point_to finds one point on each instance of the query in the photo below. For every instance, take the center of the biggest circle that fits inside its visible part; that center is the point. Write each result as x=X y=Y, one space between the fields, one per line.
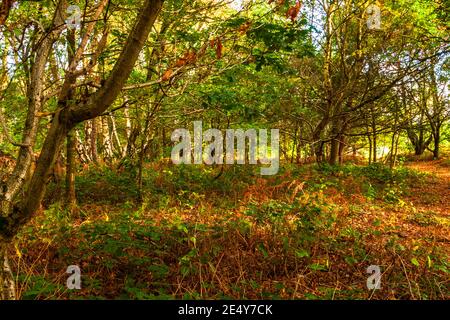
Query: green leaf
x=263 y=250
x=317 y=267
x=350 y=260
x=302 y=253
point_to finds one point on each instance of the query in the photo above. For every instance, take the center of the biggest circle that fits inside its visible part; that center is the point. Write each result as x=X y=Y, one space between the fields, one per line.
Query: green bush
x=103 y=185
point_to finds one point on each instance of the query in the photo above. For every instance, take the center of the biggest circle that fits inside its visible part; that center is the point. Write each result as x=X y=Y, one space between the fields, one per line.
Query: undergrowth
x=308 y=233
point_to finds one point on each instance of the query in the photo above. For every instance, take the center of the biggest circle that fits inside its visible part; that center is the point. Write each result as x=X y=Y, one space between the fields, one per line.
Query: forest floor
x=307 y=233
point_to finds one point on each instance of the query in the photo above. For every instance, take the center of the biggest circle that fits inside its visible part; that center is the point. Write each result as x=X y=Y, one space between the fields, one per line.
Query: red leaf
x=244 y=27
x=294 y=11
x=167 y=75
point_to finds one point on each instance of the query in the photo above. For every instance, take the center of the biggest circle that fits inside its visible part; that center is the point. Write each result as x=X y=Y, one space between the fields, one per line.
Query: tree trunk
x=374 y=146
x=126 y=151
x=93 y=140
x=393 y=155
x=334 y=152
x=142 y=153
x=82 y=151
x=396 y=149
x=108 y=146
x=115 y=135
x=342 y=145
x=70 y=172
x=374 y=134
x=437 y=138
x=8 y=288
x=317 y=139
x=70 y=199
x=334 y=146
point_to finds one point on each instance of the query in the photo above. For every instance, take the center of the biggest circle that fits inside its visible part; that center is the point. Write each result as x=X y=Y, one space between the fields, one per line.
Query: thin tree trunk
x=70 y=172
x=374 y=146
x=437 y=138
x=115 y=135
x=342 y=145
x=8 y=288
x=93 y=140
x=374 y=135
x=70 y=199
x=294 y=143
x=142 y=153
x=392 y=154
x=81 y=148
x=106 y=139
x=126 y=150
x=396 y=149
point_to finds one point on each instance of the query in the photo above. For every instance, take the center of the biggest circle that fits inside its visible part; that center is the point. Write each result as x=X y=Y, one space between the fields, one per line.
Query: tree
x=15 y=214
